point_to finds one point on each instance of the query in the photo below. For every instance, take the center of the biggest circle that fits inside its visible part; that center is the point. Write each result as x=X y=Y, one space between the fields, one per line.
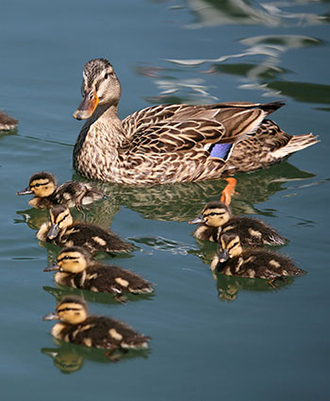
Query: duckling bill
x=63 y=231
x=48 y=194
x=77 y=269
x=217 y=219
x=233 y=260
x=78 y=327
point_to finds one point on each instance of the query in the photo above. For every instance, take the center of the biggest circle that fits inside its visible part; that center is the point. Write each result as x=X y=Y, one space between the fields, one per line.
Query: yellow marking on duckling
x=87 y=341
x=91 y=276
x=93 y=288
x=56 y=330
x=274 y=263
x=114 y=334
x=99 y=240
x=249 y=260
x=251 y=273
x=227 y=229
x=66 y=196
x=122 y=282
x=255 y=233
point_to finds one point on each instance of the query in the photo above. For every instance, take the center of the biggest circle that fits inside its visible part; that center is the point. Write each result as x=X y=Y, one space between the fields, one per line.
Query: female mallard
x=251 y=263
x=77 y=327
x=48 y=194
x=63 y=231
x=76 y=268
x=7 y=123
x=216 y=219
x=172 y=143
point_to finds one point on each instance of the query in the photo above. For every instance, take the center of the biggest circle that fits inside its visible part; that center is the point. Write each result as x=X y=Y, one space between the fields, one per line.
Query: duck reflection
x=180 y=202
x=69 y=358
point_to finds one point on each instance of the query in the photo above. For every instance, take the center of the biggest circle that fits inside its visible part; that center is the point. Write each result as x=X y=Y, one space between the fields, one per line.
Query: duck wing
x=163 y=128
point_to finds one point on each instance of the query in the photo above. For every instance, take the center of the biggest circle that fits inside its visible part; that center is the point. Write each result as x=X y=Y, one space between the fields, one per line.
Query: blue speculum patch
x=220 y=150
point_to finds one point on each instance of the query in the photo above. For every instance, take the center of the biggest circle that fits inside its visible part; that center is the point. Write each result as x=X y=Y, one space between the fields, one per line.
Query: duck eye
x=106 y=76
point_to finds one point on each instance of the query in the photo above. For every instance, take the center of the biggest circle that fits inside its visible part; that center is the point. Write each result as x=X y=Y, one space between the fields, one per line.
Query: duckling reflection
x=63 y=231
x=70 y=358
x=48 y=194
x=77 y=269
x=228 y=287
x=78 y=327
x=182 y=202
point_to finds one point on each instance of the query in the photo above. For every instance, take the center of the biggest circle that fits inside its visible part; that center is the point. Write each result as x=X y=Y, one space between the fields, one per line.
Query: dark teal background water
x=210 y=340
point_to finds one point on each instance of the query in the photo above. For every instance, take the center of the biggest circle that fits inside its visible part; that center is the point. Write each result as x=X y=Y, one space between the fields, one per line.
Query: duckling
x=63 y=231
x=77 y=327
x=216 y=218
x=7 y=123
x=251 y=263
x=77 y=269
x=71 y=193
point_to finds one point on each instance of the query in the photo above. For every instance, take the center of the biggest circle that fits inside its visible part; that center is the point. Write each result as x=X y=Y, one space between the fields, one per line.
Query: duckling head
x=214 y=214
x=100 y=87
x=41 y=184
x=71 y=260
x=231 y=247
x=70 y=310
x=60 y=218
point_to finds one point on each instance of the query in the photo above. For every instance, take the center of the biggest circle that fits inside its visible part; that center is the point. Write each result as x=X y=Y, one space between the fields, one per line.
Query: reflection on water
x=179 y=202
x=268 y=50
x=244 y=12
x=90 y=296
x=69 y=358
x=229 y=287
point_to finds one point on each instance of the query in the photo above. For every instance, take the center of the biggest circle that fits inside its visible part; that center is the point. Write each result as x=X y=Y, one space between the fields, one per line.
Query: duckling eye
x=106 y=76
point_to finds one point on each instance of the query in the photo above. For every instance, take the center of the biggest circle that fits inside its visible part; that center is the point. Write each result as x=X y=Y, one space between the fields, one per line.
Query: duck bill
x=53 y=231
x=52 y=268
x=197 y=220
x=87 y=106
x=51 y=316
x=25 y=191
x=223 y=256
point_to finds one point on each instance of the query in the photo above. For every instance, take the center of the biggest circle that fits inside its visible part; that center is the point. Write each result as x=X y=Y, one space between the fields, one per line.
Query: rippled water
x=211 y=339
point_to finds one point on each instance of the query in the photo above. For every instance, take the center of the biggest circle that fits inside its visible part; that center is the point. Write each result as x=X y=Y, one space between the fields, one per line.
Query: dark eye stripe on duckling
x=214 y=213
x=59 y=219
x=69 y=256
x=39 y=183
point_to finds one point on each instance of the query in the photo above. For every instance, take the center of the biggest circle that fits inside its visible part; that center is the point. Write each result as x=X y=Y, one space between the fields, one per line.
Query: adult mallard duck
x=76 y=268
x=48 y=194
x=77 y=327
x=63 y=231
x=172 y=143
x=216 y=219
x=233 y=260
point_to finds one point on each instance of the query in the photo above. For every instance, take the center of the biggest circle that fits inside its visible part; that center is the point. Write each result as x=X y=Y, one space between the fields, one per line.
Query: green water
x=211 y=339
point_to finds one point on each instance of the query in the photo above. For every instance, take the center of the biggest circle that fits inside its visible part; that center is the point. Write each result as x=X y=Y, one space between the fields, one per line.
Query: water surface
x=211 y=339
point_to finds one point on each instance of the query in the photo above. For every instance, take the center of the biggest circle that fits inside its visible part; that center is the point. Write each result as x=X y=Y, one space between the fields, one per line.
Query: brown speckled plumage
x=172 y=143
